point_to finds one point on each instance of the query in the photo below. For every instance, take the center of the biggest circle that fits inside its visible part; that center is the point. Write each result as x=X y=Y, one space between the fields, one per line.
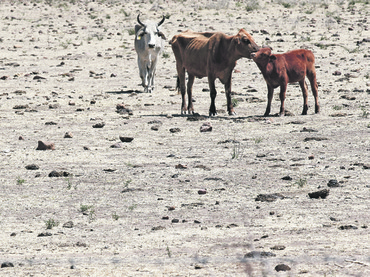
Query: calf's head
x=263 y=56
x=244 y=44
x=149 y=33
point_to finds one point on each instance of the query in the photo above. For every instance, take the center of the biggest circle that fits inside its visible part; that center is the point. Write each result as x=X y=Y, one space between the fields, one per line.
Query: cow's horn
x=138 y=20
x=160 y=22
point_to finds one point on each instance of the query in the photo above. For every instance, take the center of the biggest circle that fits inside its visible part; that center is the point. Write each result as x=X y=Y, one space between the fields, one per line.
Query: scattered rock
x=282 y=267
x=21 y=107
x=7 y=264
x=68 y=224
x=311 y=157
x=45 y=145
x=337 y=73
x=348 y=227
x=309 y=130
x=202 y=191
x=68 y=135
x=181 y=166
x=319 y=194
x=51 y=123
x=366 y=166
x=117 y=145
x=175 y=220
x=126 y=139
x=206 y=127
x=54 y=106
x=44 y=234
x=287 y=178
x=278 y=247
x=269 y=197
x=175 y=130
x=32 y=167
x=315 y=139
x=333 y=183
x=196 y=117
x=259 y=254
x=99 y=125
x=21 y=138
x=55 y=173
x=121 y=109
x=157 y=228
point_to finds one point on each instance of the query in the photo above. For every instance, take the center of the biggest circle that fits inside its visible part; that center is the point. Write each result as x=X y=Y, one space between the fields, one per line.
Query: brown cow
x=211 y=55
x=281 y=69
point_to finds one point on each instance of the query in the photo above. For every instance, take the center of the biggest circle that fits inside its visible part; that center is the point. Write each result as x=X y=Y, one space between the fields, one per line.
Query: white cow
x=148 y=44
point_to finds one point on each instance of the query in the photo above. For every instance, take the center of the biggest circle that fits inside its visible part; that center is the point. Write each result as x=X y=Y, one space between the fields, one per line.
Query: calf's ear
x=272 y=57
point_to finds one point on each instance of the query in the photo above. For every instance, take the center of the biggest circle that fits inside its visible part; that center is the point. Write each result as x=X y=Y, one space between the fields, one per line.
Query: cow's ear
x=160 y=34
x=272 y=57
x=137 y=28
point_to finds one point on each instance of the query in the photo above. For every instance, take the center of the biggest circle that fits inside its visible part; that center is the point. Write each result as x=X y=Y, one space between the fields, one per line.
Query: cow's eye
x=246 y=40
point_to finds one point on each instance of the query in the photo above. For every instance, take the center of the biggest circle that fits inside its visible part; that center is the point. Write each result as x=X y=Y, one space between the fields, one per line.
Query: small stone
x=68 y=224
x=126 y=139
x=278 y=247
x=175 y=220
x=333 y=183
x=269 y=197
x=117 y=145
x=71 y=103
x=311 y=157
x=55 y=173
x=32 y=167
x=165 y=217
x=206 y=127
x=287 y=178
x=202 y=191
x=259 y=254
x=319 y=194
x=157 y=228
x=68 y=135
x=337 y=73
x=181 y=166
x=44 y=145
x=13 y=234
x=21 y=138
x=171 y=208
x=44 y=234
x=7 y=264
x=99 y=125
x=348 y=227
x=175 y=130
x=86 y=148
x=282 y=267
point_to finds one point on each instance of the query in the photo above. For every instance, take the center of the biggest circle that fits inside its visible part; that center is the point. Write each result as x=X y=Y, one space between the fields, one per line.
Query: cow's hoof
x=232 y=113
x=212 y=114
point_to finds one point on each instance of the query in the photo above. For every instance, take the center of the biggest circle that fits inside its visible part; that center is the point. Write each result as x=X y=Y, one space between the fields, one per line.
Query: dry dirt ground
x=135 y=210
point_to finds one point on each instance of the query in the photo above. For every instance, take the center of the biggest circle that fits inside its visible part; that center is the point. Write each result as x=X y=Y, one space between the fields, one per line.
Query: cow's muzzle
x=151 y=45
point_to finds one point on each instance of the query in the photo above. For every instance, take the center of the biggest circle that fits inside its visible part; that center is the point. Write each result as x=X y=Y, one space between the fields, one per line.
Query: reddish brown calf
x=281 y=69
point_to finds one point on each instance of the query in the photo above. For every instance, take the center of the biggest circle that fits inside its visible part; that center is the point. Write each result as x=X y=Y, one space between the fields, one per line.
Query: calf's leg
x=270 y=93
x=303 y=85
x=314 y=87
x=282 y=98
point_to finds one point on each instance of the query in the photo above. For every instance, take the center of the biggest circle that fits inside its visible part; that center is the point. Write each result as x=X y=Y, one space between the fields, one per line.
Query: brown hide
x=281 y=69
x=211 y=55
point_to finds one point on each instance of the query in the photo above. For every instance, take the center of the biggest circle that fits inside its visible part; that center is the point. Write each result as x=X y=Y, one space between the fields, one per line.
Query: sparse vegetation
x=20 y=181
x=258 y=140
x=115 y=216
x=51 y=223
x=301 y=182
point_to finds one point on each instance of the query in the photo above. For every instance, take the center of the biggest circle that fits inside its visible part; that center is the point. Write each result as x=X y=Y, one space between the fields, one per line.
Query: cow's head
x=263 y=56
x=244 y=44
x=149 y=33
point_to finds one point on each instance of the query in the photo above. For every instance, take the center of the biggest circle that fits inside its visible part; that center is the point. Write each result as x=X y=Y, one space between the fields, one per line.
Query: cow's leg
x=230 y=107
x=312 y=78
x=213 y=93
x=282 y=98
x=190 y=93
x=304 y=89
x=181 y=84
x=270 y=94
